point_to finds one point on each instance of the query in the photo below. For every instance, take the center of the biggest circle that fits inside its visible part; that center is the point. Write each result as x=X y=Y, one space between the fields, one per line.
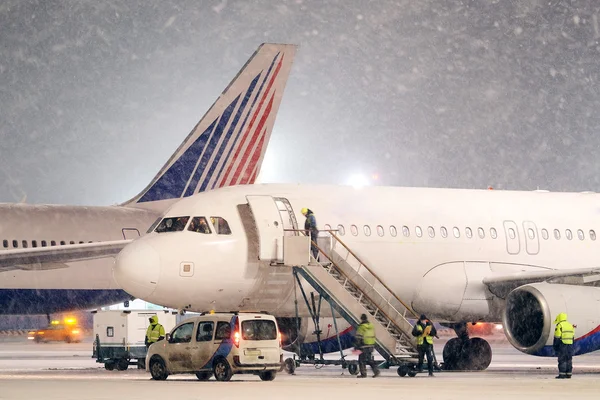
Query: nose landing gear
x=466 y=354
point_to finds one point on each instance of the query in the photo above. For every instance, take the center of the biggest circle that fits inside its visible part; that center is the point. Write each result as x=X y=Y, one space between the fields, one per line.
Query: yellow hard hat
x=304 y=211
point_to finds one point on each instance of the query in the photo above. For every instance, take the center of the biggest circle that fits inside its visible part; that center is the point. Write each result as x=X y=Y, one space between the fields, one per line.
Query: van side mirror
x=168 y=337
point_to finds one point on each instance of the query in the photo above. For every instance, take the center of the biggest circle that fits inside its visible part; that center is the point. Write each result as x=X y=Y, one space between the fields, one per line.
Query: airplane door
x=532 y=242
x=269 y=225
x=511 y=231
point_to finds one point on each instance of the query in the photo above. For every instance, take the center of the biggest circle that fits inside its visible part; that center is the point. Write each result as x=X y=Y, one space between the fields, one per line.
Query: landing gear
x=466 y=354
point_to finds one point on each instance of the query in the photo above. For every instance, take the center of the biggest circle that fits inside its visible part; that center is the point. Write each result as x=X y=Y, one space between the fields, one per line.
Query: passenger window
x=380 y=230
x=15 y=244
x=481 y=233
x=223 y=330
x=580 y=234
x=418 y=231
x=493 y=233
x=592 y=235
x=172 y=224
x=153 y=225
x=511 y=233
x=393 y=231
x=24 y=243
x=456 y=232
x=367 y=230
x=5 y=243
x=33 y=243
x=531 y=233
x=71 y=242
x=44 y=243
x=62 y=243
x=353 y=230
x=341 y=230
x=198 y=225
x=431 y=231
x=556 y=234
x=52 y=243
x=469 y=232
x=569 y=234
x=205 y=331
x=221 y=226
x=444 y=232
x=183 y=334
x=81 y=242
x=545 y=234
x=405 y=231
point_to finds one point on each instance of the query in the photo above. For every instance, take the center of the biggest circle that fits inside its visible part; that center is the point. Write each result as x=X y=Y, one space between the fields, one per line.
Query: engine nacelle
x=530 y=311
x=290 y=336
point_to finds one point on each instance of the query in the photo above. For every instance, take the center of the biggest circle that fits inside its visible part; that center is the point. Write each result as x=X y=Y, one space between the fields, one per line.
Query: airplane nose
x=137 y=268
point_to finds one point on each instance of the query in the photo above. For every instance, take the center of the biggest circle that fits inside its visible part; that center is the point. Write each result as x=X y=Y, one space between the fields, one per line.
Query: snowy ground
x=66 y=371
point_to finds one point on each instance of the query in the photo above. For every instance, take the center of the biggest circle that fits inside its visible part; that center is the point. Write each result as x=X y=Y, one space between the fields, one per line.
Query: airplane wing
x=502 y=284
x=53 y=257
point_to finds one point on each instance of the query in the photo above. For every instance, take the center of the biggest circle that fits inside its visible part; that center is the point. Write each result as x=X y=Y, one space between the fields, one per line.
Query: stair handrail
x=371 y=271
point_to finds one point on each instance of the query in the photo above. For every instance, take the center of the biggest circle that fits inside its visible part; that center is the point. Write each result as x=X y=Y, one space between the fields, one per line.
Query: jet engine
x=530 y=311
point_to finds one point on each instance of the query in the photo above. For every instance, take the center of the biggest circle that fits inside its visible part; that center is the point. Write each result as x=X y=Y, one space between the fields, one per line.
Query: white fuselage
x=381 y=225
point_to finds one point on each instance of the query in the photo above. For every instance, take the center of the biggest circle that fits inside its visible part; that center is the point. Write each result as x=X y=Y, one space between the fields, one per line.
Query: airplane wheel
x=353 y=369
x=480 y=354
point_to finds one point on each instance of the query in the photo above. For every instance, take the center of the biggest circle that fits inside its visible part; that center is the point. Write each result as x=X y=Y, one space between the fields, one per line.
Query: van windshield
x=256 y=329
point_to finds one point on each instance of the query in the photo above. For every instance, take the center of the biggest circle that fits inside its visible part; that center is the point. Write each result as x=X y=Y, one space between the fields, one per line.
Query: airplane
x=59 y=258
x=457 y=255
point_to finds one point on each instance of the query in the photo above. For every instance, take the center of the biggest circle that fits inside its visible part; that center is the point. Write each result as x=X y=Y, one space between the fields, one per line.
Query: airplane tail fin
x=227 y=146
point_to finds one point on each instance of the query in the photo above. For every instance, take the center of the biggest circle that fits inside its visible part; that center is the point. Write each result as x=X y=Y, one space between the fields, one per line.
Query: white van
x=219 y=344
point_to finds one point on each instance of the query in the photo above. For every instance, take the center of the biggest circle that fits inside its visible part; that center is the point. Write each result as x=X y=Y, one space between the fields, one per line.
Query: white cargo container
x=120 y=334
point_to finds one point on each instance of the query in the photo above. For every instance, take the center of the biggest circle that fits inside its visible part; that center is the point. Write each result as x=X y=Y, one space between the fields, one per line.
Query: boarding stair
x=352 y=289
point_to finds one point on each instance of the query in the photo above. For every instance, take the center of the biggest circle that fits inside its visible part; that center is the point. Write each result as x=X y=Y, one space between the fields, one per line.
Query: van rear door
x=259 y=343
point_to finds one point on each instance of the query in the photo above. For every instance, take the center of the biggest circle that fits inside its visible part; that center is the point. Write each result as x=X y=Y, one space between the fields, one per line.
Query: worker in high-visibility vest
x=365 y=342
x=564 y=334
x=155 y=331
x=424 y=331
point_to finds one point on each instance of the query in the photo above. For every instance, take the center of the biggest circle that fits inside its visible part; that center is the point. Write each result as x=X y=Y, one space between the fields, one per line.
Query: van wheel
x=222 y=370
x=267 y=375
x=203 y=376
x=158 y=370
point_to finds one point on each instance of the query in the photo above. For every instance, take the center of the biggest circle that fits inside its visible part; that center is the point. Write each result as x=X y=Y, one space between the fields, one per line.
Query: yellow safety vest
x=366 y=331
x=425 y=335
x=153 y=334
x=565 y=332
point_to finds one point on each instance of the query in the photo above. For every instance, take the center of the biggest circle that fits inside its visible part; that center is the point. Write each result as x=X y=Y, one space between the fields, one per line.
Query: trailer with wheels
x=119 y=336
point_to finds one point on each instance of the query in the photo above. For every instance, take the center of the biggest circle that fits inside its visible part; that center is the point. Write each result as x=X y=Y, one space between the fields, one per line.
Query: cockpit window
x=153 y=225
x=172 y=224
x=199 y=225
x=221 y=225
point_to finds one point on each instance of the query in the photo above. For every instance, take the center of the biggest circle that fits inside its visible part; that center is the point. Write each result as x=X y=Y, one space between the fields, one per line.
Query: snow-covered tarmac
x=62 y=371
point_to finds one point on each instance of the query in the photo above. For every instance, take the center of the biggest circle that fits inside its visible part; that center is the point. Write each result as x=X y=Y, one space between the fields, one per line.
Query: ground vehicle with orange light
x=67 y=330
x=219 y=344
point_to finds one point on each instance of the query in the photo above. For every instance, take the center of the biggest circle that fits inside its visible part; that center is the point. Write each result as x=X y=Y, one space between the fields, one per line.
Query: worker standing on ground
x=155 y=331
x=310 y=227
x=424 y=331
x=564 y=333
x=365 y=341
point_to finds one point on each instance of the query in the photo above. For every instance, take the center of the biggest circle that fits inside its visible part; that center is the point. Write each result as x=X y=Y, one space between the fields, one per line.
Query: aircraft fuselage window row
x=219 y=225
x=512 y=234
x=34 y=243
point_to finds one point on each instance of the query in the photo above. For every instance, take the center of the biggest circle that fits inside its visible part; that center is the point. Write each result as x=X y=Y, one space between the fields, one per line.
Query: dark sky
x=95 y=96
